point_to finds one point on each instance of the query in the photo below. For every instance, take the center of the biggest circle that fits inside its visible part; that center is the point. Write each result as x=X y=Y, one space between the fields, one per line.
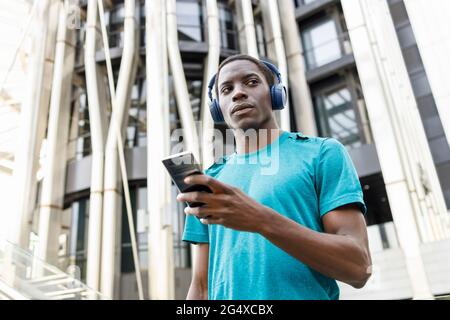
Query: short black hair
x=268 y=74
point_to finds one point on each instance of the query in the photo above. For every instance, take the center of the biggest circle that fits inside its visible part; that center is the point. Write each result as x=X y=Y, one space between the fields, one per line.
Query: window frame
x=347 y=80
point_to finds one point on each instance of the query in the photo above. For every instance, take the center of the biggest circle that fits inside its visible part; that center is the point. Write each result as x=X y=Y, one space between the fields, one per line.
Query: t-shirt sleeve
x=337 y=181
x=195 y=231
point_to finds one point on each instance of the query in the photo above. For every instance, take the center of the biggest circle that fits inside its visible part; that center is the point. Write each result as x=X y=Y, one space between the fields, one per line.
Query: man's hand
x=227 y=205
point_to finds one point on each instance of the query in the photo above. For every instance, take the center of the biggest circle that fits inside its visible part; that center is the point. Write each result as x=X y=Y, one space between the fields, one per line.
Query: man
x=287 y=235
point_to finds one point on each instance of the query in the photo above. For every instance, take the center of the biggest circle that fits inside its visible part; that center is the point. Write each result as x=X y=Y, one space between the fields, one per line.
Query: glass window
x=189 y=33
x=298 y=3
x=138 y=197
x=321 y=44
x=117 y=14
x=137 y=116
x=337 y=117
x=413 y=60
x=195 y=94
x=399 y=13
x=305 y=2
x=427 y=106
x=228 y=37
x=190 y=21
x=181 y=248
x=80 y=34
x=420 y=84
x=142 y=20
x=114 y=23
x=406 y=36
x=80 y=132
x=260 y=38
x=79 y=234
x=116 y=37
x=174 y=118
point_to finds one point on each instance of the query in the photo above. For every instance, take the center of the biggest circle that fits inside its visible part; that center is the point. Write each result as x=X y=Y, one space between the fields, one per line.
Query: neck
x=251 y=140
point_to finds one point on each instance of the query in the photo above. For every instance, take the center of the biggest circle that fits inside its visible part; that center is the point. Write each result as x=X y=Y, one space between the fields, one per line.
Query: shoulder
x=333 y=155
x=315 y=148
x=299 y=137
x=331 y=146
x=308 y=143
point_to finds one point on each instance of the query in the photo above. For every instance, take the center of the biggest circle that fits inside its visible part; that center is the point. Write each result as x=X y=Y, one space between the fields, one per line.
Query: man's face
x=244 y=95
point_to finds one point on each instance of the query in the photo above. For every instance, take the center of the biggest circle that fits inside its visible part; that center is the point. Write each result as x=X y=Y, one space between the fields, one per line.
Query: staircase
x=25 y=277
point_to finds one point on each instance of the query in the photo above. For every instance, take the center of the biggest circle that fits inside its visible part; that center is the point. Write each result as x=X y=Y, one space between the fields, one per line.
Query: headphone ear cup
x=216 y=113
x=278 y=96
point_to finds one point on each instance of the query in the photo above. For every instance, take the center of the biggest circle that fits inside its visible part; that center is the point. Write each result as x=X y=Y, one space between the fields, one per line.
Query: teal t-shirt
x=300 y=177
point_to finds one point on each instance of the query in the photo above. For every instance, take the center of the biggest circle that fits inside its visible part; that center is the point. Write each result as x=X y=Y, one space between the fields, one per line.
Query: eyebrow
x=248 y=75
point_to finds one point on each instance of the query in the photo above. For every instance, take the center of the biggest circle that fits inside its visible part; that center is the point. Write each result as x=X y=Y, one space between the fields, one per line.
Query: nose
x=238 y=94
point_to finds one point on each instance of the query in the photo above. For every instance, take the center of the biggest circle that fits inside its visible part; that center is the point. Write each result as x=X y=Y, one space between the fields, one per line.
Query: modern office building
x=369 y=73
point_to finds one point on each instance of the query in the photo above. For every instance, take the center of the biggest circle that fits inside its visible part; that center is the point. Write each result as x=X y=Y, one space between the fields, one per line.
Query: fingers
x=205 y=215
x=211 y=220
x=195 y=196
x=215 y=185
x=199 y=212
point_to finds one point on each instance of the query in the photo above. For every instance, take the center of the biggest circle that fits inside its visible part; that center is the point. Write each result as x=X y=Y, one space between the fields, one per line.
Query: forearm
x=197 y=291
x=336 y=256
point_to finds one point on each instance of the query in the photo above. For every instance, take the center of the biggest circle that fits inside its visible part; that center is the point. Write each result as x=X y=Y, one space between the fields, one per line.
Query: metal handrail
x=342 y=39
x=24 y=276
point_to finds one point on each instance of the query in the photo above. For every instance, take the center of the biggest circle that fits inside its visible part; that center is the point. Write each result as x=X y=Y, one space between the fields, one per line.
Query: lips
x=241 y=106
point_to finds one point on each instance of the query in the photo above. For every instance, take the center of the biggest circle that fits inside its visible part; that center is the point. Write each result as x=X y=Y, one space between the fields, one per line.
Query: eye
x=252 y=82
x=225 y=90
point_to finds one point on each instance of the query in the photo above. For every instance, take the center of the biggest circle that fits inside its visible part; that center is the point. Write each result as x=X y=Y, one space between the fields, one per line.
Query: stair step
x=64 y=292
x=48 y=278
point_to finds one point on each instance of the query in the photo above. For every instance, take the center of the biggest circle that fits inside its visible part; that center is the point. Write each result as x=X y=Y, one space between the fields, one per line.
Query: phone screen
x=179 y=167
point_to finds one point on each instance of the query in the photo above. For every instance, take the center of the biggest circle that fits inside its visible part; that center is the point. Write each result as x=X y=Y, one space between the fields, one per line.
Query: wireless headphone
x=277 y=94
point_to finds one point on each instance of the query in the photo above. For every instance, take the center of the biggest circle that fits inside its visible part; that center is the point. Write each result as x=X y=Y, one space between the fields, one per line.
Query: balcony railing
x=25 y=277
x=327 y=51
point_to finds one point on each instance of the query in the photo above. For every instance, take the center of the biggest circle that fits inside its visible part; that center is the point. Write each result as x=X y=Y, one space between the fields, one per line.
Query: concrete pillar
x=274 y=40
x=97 y=104
x=374 y=67
x=179 y=80
x=246 y=28
x=52 y=194
x=301 y=97
x=112 y=209
x=431 y=25
x=33 y=119
x=161 y=273
x=211 y=66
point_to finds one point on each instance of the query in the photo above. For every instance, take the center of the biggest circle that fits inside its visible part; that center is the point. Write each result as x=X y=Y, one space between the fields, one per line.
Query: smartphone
x=180 y=166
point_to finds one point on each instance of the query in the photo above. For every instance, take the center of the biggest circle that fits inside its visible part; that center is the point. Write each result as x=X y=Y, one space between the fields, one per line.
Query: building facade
x=361 y=71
